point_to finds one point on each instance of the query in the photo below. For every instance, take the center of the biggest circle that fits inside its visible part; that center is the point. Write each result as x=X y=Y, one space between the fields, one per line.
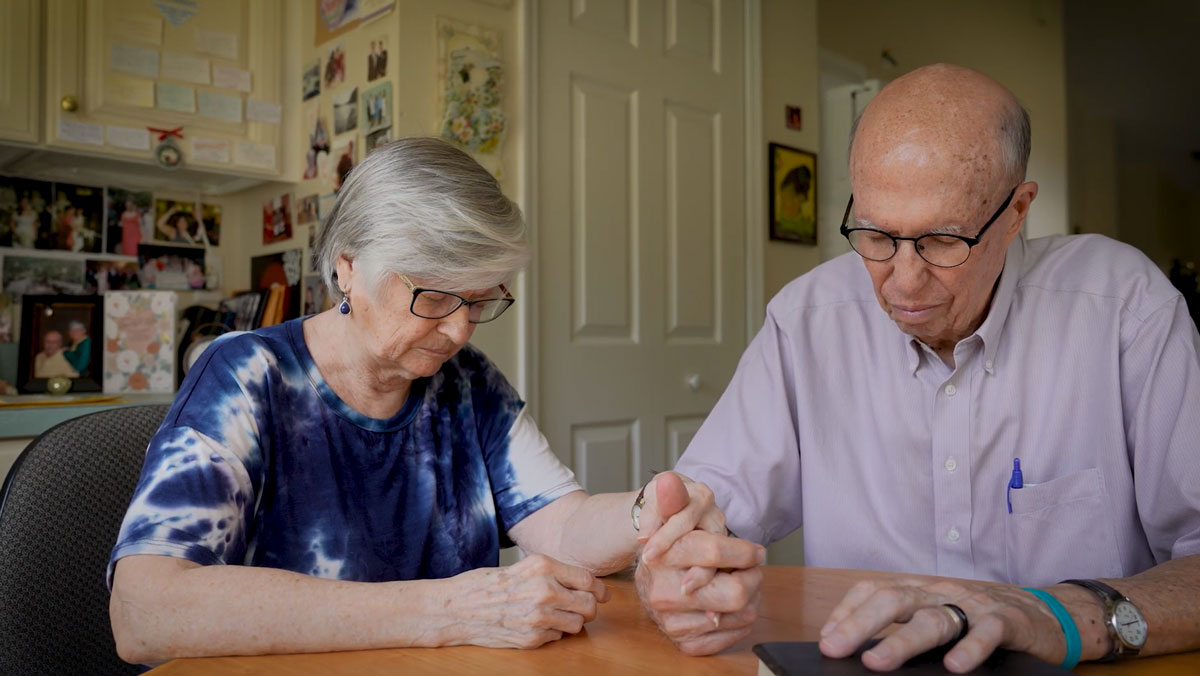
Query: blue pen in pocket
x=1015 y=481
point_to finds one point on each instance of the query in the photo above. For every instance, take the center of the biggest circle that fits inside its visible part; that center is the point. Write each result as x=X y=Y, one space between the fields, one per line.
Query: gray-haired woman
x=365 y=465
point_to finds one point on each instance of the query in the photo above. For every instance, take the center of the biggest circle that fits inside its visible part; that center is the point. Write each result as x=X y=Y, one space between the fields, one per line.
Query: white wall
x=790 y=77
x=1093 y=167
x=1018 y=43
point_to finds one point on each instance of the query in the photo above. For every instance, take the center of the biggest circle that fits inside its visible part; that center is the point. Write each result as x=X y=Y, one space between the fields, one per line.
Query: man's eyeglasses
x=944 y=251
x=434 y=304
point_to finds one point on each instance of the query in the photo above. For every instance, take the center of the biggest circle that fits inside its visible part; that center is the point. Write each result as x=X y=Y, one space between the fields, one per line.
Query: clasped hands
x=698 y=584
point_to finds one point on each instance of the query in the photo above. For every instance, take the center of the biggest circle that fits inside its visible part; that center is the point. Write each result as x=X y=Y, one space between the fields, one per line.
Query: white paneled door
x=641 y=227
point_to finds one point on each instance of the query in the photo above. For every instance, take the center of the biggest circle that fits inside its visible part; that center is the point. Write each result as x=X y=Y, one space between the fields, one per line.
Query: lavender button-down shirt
x=1087 y=368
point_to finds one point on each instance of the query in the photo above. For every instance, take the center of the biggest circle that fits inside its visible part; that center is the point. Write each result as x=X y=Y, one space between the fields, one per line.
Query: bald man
x=51 y=362
x=893 y=392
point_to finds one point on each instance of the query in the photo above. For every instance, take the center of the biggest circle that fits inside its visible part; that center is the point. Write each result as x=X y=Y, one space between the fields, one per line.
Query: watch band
x=1109 y=598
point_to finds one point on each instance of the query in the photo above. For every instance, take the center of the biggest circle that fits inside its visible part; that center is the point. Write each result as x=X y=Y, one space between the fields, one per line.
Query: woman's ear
x=345 y=274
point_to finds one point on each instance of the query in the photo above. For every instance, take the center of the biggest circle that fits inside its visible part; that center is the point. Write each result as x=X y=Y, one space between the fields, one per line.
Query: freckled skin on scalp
x=928 y=156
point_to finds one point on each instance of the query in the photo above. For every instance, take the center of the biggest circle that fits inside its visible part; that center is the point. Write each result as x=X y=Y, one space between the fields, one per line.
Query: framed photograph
x=25 y=220
x=78 y=213
x=180 y=268
x=130 y=219
x=345 y=111
x=60 y=338
x=793 y=194
x=377 y=108
x=32 y=275
x=277 y=219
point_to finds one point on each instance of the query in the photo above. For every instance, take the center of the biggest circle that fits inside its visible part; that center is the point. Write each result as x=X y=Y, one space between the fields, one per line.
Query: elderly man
x=1019 y=413
x=51 y=362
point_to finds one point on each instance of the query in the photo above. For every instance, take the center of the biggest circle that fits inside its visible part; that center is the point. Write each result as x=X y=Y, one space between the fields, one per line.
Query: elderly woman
x=364 y=466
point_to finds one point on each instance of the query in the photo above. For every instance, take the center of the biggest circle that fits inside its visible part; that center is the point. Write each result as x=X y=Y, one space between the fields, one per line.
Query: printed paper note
x=217 y=43
x=220 y=106
x=179 y=98
x=213 y=151
x=176 y=66
x=130 y=138
x=231 y=78
x=141 y=28
x=91 y=134
x=257 y=155
x=258 y=111
x=129 y=91
x=136 y=60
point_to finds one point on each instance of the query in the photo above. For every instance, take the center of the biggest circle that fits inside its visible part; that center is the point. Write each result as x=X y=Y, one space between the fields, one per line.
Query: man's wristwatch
x=1126 y=624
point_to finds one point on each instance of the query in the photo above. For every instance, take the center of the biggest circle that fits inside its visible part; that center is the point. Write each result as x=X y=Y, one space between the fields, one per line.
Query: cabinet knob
x=693 y=382
x=69 y=103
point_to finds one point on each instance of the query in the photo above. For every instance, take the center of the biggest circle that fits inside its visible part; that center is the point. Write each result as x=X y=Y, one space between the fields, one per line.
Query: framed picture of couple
x=60 y=344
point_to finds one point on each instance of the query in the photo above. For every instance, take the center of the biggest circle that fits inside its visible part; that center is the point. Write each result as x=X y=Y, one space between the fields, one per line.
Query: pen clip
x=1014 y=481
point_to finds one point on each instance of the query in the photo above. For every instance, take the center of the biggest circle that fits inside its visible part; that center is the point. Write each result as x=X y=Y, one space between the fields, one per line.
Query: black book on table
x=795 y=658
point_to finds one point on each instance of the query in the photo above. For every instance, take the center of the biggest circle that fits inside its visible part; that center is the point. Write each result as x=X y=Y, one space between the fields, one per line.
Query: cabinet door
x=117 y=66
x=19 y=86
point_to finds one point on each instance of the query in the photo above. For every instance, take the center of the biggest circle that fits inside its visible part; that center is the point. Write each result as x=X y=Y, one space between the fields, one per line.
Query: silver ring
x=959 y=617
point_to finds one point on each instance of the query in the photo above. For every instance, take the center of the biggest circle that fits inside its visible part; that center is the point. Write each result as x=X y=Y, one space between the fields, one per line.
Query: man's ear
x=1021 y=201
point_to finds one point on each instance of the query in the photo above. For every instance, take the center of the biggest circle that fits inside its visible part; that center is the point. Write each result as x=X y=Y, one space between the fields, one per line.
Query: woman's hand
x=525 y=605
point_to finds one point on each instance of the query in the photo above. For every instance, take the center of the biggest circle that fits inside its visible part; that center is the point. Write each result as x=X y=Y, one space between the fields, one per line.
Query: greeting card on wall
x=139 y=341
x=470 y=75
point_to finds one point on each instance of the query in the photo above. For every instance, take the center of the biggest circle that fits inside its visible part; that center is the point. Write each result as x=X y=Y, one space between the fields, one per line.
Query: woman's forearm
x=162 y=609
x=599 y=534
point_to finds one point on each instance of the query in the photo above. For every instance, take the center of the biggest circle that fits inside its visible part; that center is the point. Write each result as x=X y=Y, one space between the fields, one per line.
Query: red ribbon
x=165 y=133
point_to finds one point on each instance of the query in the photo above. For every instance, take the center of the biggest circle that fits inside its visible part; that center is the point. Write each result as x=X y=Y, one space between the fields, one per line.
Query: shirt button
x=987 y=364
x=952 y=535
x=951 y=465
x=950 y=390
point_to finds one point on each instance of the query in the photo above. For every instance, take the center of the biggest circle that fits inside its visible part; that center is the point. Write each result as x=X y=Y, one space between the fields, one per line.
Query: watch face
x=1130 y=624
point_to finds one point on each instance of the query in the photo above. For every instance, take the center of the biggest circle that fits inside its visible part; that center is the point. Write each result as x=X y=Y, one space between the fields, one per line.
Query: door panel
x=641 y=227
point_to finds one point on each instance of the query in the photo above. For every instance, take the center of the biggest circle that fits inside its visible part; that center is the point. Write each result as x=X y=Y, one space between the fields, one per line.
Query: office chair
x=60 y=509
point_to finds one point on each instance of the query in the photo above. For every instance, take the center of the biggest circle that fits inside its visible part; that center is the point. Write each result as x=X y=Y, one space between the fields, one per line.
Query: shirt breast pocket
x=1061 y=529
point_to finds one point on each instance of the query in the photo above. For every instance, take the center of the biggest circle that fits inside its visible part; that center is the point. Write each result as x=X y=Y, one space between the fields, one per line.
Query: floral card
x=139 y=341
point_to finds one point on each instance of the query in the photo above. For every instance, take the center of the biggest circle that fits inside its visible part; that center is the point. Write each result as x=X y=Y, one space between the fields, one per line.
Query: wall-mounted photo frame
x=793 y=194
x=61 y=338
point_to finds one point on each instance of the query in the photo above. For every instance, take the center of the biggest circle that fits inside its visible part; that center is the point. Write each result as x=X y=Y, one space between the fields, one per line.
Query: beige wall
x=1018 y=43
x=790 y=73
x=412 y=71
x=1093 y=167
x=1157 y=216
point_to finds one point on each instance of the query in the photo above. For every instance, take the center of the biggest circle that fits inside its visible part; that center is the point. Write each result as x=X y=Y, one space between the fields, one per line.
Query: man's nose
x=909 y=270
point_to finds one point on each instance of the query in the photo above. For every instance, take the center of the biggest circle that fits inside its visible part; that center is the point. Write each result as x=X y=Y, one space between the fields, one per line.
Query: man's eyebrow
x=947 y=229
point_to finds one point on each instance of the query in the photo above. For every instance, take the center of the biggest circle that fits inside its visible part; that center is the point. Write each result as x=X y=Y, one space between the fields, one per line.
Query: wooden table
x=622 y=640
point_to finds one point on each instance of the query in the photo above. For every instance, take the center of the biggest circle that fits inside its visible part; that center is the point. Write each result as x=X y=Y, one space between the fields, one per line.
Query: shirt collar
x=993 y=325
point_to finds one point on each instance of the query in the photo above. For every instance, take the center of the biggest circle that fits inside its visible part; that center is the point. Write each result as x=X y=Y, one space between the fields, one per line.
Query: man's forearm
x=1168 y=596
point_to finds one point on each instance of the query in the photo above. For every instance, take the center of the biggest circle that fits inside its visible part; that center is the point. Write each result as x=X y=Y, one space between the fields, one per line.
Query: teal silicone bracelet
x=1070 y=631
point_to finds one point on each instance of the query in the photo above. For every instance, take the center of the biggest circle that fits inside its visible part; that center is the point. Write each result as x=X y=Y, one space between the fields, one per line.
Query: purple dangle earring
x=344 y=308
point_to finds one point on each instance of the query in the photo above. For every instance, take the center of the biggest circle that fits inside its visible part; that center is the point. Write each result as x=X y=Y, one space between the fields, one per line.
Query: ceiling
x=1138 y=64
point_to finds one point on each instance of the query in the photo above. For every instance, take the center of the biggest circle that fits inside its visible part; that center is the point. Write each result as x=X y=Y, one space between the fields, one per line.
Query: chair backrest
x=60 y=510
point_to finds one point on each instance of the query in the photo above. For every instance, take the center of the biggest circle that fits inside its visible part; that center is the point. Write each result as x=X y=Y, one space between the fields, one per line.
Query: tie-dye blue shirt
x=260 y=463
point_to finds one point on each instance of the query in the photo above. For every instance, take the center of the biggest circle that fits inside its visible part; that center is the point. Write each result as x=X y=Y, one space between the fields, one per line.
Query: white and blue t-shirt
x=260 y=463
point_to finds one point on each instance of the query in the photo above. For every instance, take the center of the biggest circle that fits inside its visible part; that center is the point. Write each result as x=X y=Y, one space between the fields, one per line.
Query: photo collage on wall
x=47 y=229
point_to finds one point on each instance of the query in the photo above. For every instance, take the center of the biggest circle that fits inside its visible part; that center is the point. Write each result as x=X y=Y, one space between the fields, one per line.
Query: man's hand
x=998 y=615
x=701 y=610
